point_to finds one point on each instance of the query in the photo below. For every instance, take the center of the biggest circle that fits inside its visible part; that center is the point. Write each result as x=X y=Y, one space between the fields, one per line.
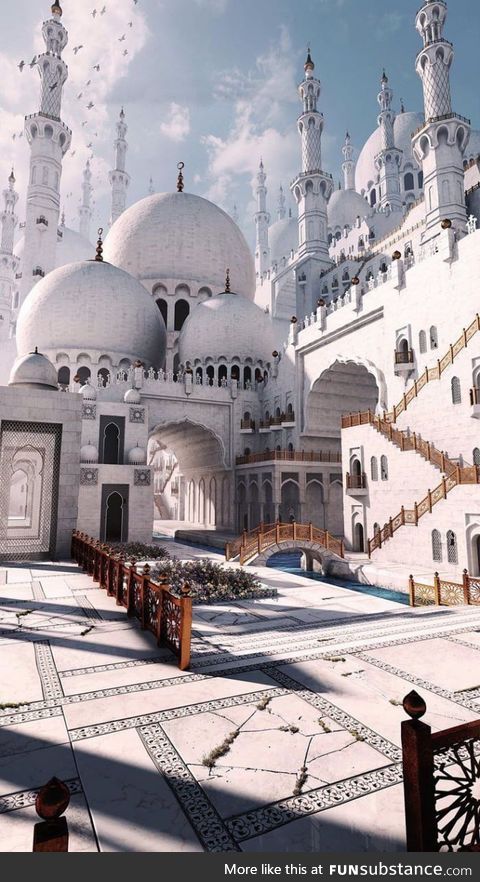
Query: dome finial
x=402 y=106
x=180 y=184
x=56 y=8
x=309 y=65
x=99 y=252
x=384 y=77
x=227 y=282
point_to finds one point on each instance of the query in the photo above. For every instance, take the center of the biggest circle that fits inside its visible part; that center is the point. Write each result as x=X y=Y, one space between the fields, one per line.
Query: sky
x=213 y=83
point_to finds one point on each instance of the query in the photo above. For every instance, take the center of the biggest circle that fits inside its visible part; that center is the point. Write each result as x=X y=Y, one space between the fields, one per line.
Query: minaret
x=388 y=160
x=235 y=215
x=281 y=210
x=8 y=262
x=49 y=139
x=262 y=220
x=85 y=211
x=311 y=189
x=348 y=165
x=118 y=177
x=151 y=188
x=440 y=144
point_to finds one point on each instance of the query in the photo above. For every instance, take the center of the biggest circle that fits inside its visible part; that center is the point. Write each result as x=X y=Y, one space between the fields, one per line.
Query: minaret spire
x=49 y=139
x=311 y=190
x=388 y=160
x=119 y=177
x=8 y=262
x=85 y=211
x=281 y=210
x=440 y=145
x=348 y=165
x=151 y=188
x=262 y=220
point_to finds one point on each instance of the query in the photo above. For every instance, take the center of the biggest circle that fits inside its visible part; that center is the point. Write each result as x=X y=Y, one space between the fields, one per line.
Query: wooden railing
x=168 y=617
x=445 y=592
x=402 y=357
x=440 y=779
x=356 y=482
x=248 y=545
x=428 y=375
x=247 y=424
x=289 y=456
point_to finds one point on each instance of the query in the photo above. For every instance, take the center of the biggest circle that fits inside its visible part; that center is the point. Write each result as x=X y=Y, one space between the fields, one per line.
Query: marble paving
x=284 y=735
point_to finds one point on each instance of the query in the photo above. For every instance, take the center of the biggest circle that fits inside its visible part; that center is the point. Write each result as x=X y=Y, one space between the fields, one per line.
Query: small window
x=456 y=391
x=409 y=182
x=433 y=337
x=374 y=468
x=182 y=310
x=384 y=468
x=422 y=341
x=452 y=550
x=476 y=456
x=437 y=546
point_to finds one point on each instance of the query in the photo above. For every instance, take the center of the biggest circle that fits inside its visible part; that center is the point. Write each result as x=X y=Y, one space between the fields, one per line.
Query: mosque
x=332 y=377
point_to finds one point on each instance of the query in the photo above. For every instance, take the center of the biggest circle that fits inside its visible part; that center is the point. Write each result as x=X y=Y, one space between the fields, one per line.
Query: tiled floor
x=284 y=734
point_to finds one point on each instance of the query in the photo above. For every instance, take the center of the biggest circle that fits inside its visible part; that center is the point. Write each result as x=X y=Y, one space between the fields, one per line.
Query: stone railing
x=249 y=545
x=290 y=456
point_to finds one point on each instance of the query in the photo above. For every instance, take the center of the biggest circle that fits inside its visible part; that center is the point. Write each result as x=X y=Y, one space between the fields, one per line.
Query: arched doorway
x=346 y=387
x=290 y=502
x=83 y=374
x=114 y=517
x=111 y=444
x=476 y=554
x=315 y=504
x=358 y=538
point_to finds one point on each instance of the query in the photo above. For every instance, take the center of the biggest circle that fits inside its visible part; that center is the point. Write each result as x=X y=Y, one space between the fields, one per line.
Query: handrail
x=428 y=375
x=167 y=616
x=249 y=545
x=445 y=592
x=290 y=456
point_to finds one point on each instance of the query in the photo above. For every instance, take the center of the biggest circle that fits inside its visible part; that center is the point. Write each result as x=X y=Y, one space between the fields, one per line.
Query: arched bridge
x=268 y=539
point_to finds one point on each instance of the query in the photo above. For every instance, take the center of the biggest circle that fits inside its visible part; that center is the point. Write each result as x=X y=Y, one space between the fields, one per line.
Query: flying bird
x=33 y=61
x=84 y=123
x=89 y=146
x=88 y=82
x=122 y=38
x=77 y=48
x=125 y=52
x=73 y=153
x=90 y=105
x=79 y=96
x=94 y=13
x=103 y=11
x=96 y=67
x=130 y=24
x=21 y=66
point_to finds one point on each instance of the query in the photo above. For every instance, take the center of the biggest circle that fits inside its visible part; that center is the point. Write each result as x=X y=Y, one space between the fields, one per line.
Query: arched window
x=422 y=341
x=210 y=371
x=373 y=197
x=456 y=391
x=83 y=374
x=182 y=309
x=433 y=337
x=374 y=468
x=420 y=180
x=64 y=376
x=235 y=372
x=408 y=181
x=384 y=468
x=111 y=444
x=103 y=376
x=176 y=364
x=247 y=377
x=452 y=550
x=15 y=299
x=476 y=456
x=222 y=375
x=163 y=307
x=437 y=545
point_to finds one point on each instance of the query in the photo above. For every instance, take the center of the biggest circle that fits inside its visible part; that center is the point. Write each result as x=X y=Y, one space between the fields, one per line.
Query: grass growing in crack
x=395 y=702
x=25 y=612
x=87 y=630
x=4 y=705
x=301 y=781
x=334 y=658
x=292 y=729
x=211 y=758
x=263 y=704
x=323 y=725
x=356 y=734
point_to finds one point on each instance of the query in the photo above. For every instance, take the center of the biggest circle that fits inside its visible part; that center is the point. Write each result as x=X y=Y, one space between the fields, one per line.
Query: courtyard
x=284 y=734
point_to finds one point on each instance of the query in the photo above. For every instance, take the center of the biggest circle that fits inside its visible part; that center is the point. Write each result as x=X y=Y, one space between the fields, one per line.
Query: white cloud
x=177 y=125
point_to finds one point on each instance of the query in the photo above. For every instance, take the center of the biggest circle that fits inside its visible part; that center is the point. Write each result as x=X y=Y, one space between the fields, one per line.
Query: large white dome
x=181 y=236
x=344 y=206
x=227 y=326
x=95 y=307
x=404 y=126
x=71 y=246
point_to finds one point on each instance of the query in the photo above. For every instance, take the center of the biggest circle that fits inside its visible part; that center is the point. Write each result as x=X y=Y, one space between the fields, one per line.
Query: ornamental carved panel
x=137 y=415
x=89 y=411
x=141 y=477
x=88 y=477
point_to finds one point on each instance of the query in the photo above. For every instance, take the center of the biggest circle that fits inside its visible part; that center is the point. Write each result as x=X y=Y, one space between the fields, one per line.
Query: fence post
x=259 y=542
x=430 y=500
x=437 y=588
x=143 y=585
x=310 y=531
x=51 y=834
x=416 y=514
x=411 y=590
x=227 y=551
x=418 y=770
x=294 y=529
x=131 y=588
x=277 y=532
x=466 y=587
x=402 y=510
x=185 y=628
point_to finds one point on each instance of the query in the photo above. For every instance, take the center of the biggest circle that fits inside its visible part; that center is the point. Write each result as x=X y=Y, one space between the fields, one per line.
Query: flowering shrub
x=141 y=551
x=209 y=582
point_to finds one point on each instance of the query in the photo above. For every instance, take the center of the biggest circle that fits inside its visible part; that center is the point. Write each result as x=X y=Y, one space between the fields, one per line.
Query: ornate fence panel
x=167 y=616
x=445 y=592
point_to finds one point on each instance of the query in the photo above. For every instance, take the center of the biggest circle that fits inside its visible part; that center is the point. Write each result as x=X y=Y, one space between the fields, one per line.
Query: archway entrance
x=343 y=388
x=358 y=538
x=476 y=555
x=114 y=517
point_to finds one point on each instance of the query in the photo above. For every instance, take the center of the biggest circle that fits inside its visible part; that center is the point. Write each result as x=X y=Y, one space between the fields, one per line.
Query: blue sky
x=212 y=82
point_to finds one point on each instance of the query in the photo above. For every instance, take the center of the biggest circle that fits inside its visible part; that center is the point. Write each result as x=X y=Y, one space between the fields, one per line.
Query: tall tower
x=85 y=210
x=441 y=143
x=49 y=139
x=388 y=160
x=118 y=177
x=8 y=262
x=348 y=164
x=281 y=210
x=311 y=189
x=262 y=220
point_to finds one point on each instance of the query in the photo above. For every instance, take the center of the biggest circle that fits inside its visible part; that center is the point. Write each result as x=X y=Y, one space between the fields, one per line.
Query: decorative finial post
x=51 y=834
x=227 y=282
x=99 y=251
x=180 y=185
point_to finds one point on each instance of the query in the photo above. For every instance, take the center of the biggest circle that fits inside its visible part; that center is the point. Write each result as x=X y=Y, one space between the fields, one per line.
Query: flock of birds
x=82 y=93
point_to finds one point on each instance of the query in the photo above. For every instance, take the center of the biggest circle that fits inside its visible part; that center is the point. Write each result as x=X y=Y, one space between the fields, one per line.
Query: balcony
x=356 y=485
x=288 y=420
x=38 y=272
x=475 y=403
x=404 y=361
x=42 y=222
x=290 y=456
x=264 y=427
x=276 y=423
x=247 y=427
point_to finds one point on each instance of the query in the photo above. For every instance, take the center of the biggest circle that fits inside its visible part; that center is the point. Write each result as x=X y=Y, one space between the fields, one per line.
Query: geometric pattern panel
x=137 y=415
x=88 y=477
x=141 y=477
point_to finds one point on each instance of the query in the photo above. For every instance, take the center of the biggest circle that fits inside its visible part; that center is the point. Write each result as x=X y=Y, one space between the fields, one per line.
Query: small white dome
x=88 y=391
x=132 y=396
x=282 y=238
x=95 y=307
x=181 y=236
x=88 y=453
x=344 y=206
x=226 y=326
x=34 y=369
x=404 y=126
x=137 y=456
